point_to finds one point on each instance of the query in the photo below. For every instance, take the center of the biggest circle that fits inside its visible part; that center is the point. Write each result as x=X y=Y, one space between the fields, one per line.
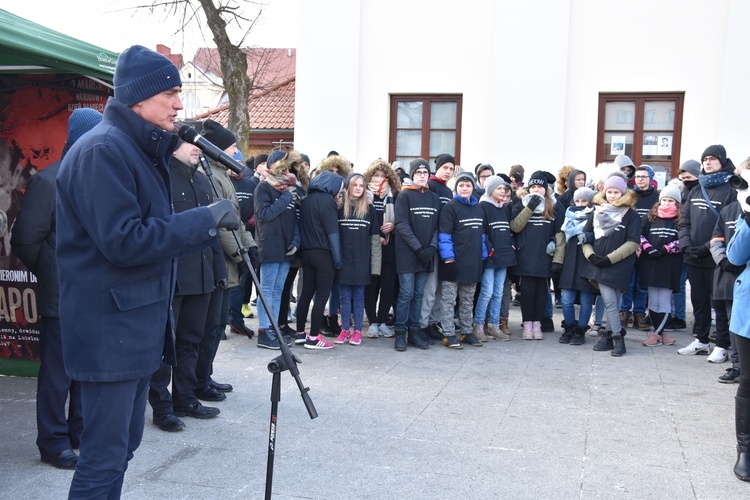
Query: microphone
x=190 y=135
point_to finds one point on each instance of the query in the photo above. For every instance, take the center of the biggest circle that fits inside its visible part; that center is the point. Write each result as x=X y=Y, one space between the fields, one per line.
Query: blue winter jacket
x=117 y=240
x=738 y=253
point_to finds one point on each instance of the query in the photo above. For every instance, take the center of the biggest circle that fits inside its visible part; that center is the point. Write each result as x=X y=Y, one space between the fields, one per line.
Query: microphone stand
x=286 y=362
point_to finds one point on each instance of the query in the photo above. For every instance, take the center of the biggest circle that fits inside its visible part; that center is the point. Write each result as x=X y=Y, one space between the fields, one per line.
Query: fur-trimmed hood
x=291 y=162
x=562 y=183
x=390 y=174
x=332 y=163
x=628 y=199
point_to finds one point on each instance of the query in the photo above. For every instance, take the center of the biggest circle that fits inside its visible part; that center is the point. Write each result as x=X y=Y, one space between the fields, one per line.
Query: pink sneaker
x=317 y=343
x=343 y=337
x=356 y=338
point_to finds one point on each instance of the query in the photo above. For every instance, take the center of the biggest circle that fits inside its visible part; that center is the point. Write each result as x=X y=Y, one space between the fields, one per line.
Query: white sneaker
x=372 y=331
x=385 y=331
x=718 y=355
x=695 y=347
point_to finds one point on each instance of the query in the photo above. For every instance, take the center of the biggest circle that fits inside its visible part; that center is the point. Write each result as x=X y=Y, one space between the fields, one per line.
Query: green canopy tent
x=38 y=68
x=29 y=48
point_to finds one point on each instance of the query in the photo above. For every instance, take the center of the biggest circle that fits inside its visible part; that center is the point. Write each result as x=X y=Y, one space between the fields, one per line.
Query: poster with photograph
x=650 y=145
x=618 y=145
x=664 y=145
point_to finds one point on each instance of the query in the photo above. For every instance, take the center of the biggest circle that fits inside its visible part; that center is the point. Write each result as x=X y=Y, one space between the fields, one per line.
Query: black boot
x=742 y=429
x=325 y=329
x=567 y=332
x=605 y=342
x=548 y=326
x=416 y=338
x=579 y=335
x=400 y=344
x=333 y=325
x=618 y=348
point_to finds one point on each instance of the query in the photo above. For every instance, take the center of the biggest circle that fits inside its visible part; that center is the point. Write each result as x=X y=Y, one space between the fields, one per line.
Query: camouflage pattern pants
x=465 y=292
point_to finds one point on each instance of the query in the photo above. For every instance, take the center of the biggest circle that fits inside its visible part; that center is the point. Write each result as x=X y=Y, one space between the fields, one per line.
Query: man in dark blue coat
x=117 y=240
x=33 y=242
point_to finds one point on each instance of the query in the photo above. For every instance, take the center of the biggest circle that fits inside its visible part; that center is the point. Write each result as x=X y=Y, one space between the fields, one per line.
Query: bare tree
x=219 y=14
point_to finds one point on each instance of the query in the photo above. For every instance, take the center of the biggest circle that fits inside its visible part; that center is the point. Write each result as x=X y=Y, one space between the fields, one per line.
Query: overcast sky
x=113 y=25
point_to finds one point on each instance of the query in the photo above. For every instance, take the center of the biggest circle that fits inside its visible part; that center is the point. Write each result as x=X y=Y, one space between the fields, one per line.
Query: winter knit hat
x=716 y=150
x=260 y=158
x=692 y=167
x=583 y=193
x=305 y=158
x=466 y=177
x=648 y=170
x=516 y=172
x=484 y=166
x=418 y=163
x=442 y=159
x=81 y=121
x=538 y=178
x=493 y=182
x=274 y=157
x=397 y=165
x=218 y=135
x=615 y=182
x=671 y=191
x=141 y=73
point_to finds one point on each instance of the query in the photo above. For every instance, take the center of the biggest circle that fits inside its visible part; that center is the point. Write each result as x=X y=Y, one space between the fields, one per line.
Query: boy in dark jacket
x=416 y=215
x=445 y=166
x=462 y=250
x=697 y=221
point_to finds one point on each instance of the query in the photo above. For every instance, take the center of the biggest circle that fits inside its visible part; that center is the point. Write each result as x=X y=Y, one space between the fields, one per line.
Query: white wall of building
x=530 y=72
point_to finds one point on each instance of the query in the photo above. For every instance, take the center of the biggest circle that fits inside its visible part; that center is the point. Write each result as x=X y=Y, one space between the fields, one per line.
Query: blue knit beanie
x=81 y=121
x=274 y=157
x=141 y=73
x=647 y=169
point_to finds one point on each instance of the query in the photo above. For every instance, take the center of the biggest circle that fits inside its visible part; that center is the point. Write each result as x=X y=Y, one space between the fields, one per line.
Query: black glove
x=450 y=271
x=556 y=268
x=425 y=256
x=252 y=252
x=221 y=284
x=698 y=252
x=599 y=261
x=225 y=215
x=534 y=202
x=728 y=267
x=654 y=252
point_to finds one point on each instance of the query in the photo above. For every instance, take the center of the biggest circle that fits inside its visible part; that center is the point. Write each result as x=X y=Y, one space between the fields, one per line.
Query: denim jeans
x=409 y=305
x=569 y=308
x=634 y=297
x=352 y=302
x=490 y=295
x=272 y=279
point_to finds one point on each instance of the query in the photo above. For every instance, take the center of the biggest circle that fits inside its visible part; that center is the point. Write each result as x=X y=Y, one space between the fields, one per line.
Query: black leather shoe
x=221 y=387
x=66 y=459
x=197 y=410
x=168 y=422
x=209 y=394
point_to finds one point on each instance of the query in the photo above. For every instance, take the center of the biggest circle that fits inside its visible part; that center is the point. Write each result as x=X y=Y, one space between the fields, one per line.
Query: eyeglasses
x=422 y=172
x=641 y=177
x=485 y=177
